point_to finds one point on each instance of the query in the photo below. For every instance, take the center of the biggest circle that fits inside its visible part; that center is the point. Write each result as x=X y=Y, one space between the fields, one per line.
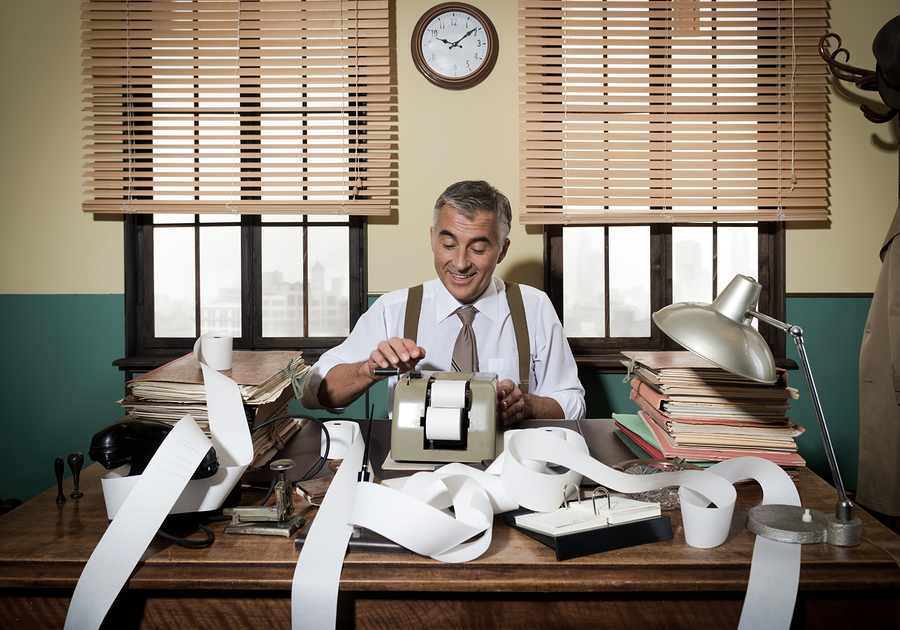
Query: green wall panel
x=832 y=334
x=60 y=387
x=606 y=394
x=58 y=382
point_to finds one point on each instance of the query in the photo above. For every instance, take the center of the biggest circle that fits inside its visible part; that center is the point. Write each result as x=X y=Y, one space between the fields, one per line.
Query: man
x=469 y=237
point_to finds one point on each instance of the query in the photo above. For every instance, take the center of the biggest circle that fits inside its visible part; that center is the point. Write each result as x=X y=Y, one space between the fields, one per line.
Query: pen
x=364 y=473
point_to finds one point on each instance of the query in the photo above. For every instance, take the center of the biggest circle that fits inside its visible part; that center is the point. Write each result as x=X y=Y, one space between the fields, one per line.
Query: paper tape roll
x=215 y=350
x=137 y=505
x=448 y=394
x=416 y=517
x=342 y=434
x=442 y=423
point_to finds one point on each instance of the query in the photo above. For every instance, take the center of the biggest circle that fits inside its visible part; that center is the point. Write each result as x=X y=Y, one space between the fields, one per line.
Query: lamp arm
x=844 y=507
x=771 y=321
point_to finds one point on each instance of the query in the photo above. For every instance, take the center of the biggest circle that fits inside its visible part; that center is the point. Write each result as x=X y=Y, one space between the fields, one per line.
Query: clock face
x=454 y=46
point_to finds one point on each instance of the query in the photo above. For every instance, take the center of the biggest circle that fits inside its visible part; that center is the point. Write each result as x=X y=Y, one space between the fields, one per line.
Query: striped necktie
x=465 y=353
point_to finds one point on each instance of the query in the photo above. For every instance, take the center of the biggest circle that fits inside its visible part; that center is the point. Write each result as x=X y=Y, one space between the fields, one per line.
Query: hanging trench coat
x=879 y=387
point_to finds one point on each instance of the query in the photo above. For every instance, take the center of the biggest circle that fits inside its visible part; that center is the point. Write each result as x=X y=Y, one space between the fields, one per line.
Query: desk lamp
x=721 y=333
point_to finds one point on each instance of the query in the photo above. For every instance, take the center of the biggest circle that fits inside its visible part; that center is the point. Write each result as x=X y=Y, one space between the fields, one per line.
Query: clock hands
x=456 y=43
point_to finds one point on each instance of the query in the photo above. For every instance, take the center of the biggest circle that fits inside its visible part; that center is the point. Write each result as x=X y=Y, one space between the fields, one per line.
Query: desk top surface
x=46 y=545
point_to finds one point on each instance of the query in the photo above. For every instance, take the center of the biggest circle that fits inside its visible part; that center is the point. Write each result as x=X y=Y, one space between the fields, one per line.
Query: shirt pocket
x=499 y=366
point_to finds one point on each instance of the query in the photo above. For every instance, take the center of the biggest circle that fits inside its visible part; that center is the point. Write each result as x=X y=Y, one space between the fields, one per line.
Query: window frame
x=604 y=353
x=143 y=350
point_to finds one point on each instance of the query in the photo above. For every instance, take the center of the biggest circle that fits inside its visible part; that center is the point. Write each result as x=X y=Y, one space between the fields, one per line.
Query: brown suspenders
x=516 y=310
x=413 y=307
x=520 y=326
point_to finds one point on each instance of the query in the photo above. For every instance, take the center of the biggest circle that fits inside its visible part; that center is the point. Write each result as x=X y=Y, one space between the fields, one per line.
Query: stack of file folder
x=264 y=379
x=688 y=408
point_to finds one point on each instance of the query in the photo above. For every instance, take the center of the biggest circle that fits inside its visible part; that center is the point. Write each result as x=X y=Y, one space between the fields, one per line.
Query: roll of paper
x=342 y=434
x=215 y=351
x=442 y=423
x=451 y=394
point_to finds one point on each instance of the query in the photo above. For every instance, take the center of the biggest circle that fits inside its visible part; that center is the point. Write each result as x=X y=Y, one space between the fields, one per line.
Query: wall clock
x=454 y=45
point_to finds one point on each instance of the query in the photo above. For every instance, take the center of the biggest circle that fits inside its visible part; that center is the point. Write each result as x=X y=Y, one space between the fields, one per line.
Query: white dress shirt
x=553 y=371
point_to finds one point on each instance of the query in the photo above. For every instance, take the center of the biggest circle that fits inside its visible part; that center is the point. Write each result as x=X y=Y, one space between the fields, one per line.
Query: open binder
x=592 y=541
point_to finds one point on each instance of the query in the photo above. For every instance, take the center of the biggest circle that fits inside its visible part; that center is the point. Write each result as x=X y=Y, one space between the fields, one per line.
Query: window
x=271 y=282
x=245 y=142
x=663 y=146
x=619 y=275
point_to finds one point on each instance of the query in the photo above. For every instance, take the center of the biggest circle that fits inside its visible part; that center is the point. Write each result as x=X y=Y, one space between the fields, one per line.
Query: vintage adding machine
x=444 y=417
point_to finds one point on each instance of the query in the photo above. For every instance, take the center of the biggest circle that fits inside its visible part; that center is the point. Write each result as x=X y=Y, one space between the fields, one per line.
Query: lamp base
x=795 y=524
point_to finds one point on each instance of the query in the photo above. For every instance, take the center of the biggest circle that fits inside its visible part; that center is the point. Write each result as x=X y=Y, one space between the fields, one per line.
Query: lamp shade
x=720 y=332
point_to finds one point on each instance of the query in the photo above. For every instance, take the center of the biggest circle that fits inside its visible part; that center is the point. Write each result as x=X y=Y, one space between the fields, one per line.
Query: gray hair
x=473 y=196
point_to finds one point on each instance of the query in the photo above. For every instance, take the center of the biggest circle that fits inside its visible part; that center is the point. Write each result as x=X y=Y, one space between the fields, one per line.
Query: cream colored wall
x=447 y=136
x=843 y=256
x=48 y=246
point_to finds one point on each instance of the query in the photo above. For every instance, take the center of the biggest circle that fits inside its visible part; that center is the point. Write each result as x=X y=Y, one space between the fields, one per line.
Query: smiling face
x=466 y=251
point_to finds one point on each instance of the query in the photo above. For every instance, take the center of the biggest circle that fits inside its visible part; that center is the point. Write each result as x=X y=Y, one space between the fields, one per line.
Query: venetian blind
x=250 y=107
x=637 y=111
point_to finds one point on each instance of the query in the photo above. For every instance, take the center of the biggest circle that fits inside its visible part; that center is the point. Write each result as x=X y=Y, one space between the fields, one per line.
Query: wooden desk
x=244 y=581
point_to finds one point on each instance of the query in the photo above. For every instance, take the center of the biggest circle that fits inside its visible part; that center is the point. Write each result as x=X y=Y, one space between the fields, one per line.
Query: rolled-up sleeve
x=368 y=332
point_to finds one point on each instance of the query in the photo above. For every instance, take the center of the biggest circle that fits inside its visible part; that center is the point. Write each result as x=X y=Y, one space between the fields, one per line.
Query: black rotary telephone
x=135 y=442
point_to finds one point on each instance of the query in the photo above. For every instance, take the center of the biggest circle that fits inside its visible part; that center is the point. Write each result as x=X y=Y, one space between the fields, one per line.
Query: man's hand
x=346 y=382
x=402 y=354
x=513 y=405
x=510 y=402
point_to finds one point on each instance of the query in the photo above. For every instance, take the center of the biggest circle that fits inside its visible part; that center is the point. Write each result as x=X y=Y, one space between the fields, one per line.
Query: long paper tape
x=317 y=575
x=417 y=518
x=230 y=436
x=138 y=505
x=138 y=520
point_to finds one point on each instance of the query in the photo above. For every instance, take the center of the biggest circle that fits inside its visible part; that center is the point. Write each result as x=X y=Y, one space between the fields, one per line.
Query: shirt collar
x=489 y=304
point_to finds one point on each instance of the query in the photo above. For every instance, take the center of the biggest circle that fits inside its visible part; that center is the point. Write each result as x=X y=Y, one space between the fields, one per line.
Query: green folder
x=636 y=425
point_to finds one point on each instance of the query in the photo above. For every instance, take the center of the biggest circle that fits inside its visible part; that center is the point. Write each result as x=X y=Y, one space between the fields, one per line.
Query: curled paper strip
x=314 y=590
x=138 y=505
x=416 y=517
x=230 y=436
